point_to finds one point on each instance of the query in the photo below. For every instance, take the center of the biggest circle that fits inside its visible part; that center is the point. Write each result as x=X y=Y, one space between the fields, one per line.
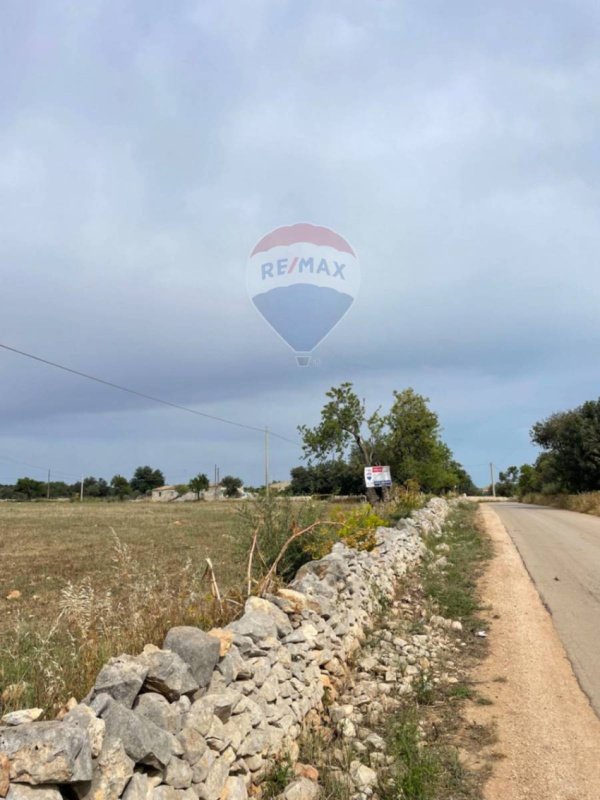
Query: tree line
x=143 y=481
x=570 y=458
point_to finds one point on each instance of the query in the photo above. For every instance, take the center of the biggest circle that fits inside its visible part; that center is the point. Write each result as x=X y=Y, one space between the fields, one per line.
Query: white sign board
x=377 y=476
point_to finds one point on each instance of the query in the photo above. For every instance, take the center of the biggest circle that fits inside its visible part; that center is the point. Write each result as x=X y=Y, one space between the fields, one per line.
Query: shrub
x=355 y=528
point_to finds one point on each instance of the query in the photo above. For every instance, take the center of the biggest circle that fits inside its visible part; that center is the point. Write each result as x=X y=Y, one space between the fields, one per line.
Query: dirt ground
x=548 y=736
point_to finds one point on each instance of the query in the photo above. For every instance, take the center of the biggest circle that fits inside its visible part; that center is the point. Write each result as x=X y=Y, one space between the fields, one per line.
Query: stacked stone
x=201 y=718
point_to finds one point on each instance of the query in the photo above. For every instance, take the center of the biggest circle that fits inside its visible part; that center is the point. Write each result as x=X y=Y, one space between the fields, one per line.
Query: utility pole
x=81 y=491
x=493 y=481
x=48 y=490
x=267 y=461
x=216 y=481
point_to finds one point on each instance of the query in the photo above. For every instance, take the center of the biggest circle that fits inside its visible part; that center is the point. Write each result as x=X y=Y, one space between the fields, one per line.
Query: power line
x=141 y=394
x=37 y=466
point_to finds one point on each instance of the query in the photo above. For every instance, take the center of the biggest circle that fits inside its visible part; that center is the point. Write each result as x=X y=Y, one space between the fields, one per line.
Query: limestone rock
x=4 y=775
x=199 y=651
x=215 y=780
x=158 y=710
x=112 y=770
x=143 y=741
x=234 y=789
x=178 y=774
x=256 y=625
x=47 y=752
x=21 y=791
x=138 y=788
x=23 y=716
x=262 y=606
x=225 y=638
x=301 y=789
x=84 y=718
x=121 y=678
x=167 y=673
x=362 y=775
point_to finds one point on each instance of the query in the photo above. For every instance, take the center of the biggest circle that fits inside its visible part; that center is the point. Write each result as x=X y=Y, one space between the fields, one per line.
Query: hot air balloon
x=303 y=279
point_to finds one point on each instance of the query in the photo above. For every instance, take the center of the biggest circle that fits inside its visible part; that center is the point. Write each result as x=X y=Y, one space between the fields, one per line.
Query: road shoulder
x=548 y=736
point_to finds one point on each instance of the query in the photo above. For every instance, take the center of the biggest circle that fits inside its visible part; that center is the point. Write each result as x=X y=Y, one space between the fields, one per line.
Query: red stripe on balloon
x=306 y=233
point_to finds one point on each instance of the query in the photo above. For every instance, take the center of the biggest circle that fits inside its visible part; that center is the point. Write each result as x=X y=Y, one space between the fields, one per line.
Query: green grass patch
x=453 y=588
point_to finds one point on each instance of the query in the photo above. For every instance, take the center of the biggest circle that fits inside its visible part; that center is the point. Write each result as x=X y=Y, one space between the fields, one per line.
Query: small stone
x=15 y=594
x=234 y=789
x=363 y=776
x=306 y=771
x=178 y=774
x=138 y=788
x=225 y=638
x=301 y=789
x=21 y=791
x=4 y=775
x=23 y=716
x=456 y=625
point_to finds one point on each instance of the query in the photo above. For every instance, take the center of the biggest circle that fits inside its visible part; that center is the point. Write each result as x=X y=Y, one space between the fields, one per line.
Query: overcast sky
x=145 y=147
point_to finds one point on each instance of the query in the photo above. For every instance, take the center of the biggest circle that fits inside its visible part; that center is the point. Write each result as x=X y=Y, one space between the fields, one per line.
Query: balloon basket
x=303 y=359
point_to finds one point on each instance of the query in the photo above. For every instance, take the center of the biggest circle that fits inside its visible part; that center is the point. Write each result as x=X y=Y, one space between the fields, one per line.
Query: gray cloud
x=145 y=149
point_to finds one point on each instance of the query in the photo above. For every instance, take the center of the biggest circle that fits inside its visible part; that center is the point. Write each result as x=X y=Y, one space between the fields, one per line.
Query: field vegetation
x=82 y=582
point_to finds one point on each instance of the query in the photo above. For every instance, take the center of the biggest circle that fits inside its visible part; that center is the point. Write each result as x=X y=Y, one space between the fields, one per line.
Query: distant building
x=164 y=494
x=280 y=486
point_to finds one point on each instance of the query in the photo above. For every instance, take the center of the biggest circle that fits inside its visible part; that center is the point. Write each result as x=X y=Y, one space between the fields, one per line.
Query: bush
x=355 y=528
x=404 y=500
x=269 y=522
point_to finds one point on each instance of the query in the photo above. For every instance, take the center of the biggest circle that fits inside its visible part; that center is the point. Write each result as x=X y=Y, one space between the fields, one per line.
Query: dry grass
x=99 y=579
x=585 y=503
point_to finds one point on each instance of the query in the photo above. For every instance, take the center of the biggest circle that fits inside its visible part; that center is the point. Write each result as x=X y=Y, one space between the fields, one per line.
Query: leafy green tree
x=412 y=444
x=95 y=487
x=231 y=485
x=30 y=489
x=344 y=425
x=199 y=484
x=120 y=486
x=408 y=438
x=508 y=482
x=145 y=479
x=572 y=439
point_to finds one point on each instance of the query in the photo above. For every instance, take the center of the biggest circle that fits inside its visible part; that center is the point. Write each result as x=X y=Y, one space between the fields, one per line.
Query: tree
x=120 y=486
x=231 y=485
x=145 y=479
x=412 y=445
x=30 y=489
x=572 y=439
x=344 y=424
x=407 y=438
x=95 y=487
x=508 y=482
x=199 y=484
x=328 y=477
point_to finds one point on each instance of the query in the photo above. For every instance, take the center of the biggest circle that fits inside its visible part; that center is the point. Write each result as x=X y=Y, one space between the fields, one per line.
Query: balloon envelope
x=303 y=279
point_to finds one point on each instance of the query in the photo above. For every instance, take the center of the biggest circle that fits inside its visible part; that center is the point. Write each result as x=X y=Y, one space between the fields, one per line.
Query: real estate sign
x=377 y=476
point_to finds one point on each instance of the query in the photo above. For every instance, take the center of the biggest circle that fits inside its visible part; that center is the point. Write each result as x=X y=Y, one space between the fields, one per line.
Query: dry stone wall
x=202 y=718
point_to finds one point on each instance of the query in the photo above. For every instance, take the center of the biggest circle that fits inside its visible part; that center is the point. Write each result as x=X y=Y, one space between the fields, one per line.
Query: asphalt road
x=561 y=550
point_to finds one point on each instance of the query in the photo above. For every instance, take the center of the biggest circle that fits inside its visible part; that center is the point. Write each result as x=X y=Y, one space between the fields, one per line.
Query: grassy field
x=100 y=578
